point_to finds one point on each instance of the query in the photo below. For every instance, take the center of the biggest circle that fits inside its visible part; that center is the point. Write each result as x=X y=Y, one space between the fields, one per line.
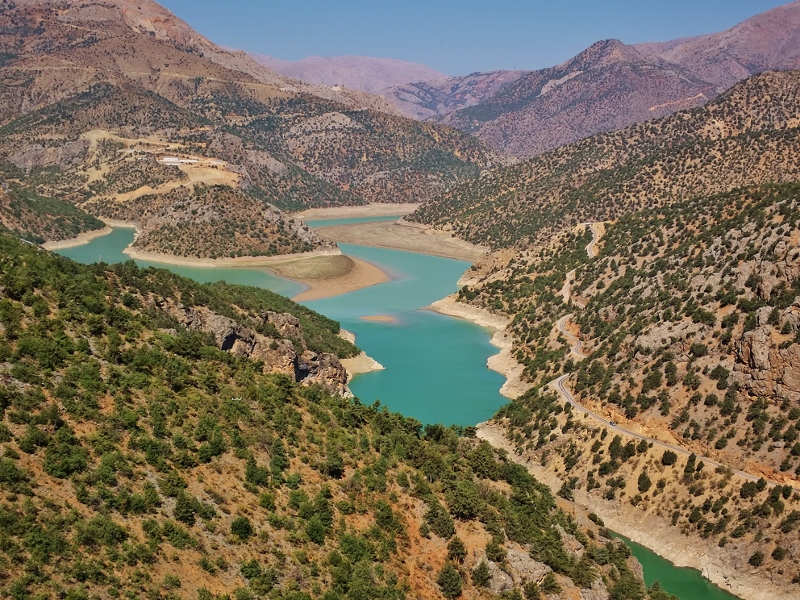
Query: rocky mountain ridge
x=356 y=72
x=745 y=137
x=608 y=86
x=149 y=84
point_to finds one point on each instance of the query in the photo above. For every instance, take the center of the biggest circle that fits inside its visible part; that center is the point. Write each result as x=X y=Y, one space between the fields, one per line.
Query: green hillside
x=141 y=460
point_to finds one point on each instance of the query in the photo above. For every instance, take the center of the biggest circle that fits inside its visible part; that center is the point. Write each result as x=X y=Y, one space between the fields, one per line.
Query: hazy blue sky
x=455 y=36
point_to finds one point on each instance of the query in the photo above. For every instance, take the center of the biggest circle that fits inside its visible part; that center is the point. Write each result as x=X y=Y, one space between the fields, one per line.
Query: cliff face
x=288 y=354
x=764 y=365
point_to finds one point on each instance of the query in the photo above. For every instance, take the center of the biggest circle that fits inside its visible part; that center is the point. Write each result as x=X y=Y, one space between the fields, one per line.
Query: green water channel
x=435 y=365
x=687 y=584
x=108 y=249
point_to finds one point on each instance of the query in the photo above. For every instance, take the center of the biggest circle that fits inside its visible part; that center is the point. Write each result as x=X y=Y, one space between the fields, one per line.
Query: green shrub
x=449 y=581
x=241 y=528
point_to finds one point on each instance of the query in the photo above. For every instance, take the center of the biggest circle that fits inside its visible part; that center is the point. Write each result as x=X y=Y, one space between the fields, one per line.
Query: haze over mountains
x=356 y=72
x=608 y=86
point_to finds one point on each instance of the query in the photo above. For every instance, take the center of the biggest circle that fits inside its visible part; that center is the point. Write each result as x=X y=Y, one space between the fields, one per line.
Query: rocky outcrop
x=678 y=336
x=571 y=543
x=285 y=353
x=767 y=365
x=518 y=569
x=36 y=155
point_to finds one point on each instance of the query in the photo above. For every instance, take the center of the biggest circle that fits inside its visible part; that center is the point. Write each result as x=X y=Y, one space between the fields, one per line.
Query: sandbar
x=326 y=273
x=78 y=240
x=400 y=235
x=379 y=319
x=329 y=276
x=353 y=212
x=360 y=364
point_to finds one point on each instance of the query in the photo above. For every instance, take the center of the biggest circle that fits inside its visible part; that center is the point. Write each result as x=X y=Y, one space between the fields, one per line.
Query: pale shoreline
x=503 y=362
x=363 y=274
x=360 y=364
x=355 y=212
x=79 y=240
x=403 y=236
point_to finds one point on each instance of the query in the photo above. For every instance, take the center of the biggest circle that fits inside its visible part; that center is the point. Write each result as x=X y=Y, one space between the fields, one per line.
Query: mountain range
x=356 y=72
x=612 y=85
x=608 y=86
x=96 y=93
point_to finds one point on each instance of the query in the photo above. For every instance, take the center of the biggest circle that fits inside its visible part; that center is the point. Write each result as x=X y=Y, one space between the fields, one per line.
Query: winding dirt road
x=559 y=385
x=576 y=346
x=575 y=349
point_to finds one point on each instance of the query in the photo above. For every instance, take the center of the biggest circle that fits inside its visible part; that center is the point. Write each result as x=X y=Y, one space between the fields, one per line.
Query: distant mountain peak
x=355 y=72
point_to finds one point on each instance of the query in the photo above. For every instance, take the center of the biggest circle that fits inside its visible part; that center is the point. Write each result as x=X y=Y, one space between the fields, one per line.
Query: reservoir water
x=108 y=248
x=687 y=584
x=435 y=365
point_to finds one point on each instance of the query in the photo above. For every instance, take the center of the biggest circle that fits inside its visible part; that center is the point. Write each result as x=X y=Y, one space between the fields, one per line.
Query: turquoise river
x=435 y=366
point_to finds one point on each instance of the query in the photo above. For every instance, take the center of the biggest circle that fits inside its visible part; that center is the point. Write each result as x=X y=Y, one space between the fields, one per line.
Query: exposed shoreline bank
x=403 y=236
x=78 y=240
x=503 y=362
x=360 y=364
x=355 y=212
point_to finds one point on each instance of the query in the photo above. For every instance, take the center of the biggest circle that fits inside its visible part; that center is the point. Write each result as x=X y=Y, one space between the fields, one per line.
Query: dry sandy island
x=328 y=276
x=326 y=273
x=409 y=237
x=352 y=212
x=379 y=318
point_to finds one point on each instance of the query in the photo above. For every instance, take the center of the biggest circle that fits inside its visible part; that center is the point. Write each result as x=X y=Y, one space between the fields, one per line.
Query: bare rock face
x=519 y=569
x=598 y=591
x=324 y=369
x=36 y=155
x=766 y=368
x=677 y=335
x=571 y=544
x=279 y=355
x=523 y=568
x=500 y=581
x=287 y=325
